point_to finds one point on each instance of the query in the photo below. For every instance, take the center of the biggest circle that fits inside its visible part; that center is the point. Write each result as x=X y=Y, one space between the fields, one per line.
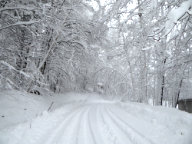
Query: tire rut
x=112 y=134
x=74 y=122
x=138 y=134
x=67 y=118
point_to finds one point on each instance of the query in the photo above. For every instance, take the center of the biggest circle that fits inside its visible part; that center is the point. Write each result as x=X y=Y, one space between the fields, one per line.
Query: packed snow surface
x=88 y=119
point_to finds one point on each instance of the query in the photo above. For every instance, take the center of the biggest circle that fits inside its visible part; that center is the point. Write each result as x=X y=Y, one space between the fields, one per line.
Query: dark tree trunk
x=43 y=68
x=163 y=84
x=178 y=93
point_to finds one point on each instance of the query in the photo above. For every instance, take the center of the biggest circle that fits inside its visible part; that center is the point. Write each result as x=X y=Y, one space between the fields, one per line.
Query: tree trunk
x=163 y=84
x=178 y=93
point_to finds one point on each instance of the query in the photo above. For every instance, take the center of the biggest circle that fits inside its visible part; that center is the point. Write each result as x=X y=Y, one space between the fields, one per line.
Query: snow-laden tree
x=16 y=39
x=51 y=44
x=146 y=38
x=137 y=50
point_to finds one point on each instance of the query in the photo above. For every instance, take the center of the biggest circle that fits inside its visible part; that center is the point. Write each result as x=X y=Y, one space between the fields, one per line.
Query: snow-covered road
x=99 y=121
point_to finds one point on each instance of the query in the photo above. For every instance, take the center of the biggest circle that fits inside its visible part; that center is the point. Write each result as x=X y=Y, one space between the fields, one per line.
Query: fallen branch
x=50 y=106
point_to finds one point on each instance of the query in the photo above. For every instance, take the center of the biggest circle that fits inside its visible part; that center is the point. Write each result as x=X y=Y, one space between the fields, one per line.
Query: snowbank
x=17 y=107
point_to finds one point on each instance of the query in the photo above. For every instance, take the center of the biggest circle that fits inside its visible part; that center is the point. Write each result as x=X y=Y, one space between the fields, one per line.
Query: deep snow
x=88 y=119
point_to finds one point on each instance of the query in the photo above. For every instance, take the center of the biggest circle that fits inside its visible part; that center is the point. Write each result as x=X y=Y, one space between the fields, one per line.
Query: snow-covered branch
x=13 y=68
x=176 y=14
x=16 y=8
x=31 y=77
x=19 y=23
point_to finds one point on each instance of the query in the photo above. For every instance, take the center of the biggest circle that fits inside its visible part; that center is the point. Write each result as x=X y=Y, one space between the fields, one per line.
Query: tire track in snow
x=71 y=135
x=96 y=124
x=68 y=134
x=114 y=133
x=90 y=129
x=139 y=137
x=104 y=132
x=82 y=130
x=72 y=118
x=43 y=127
x=89 y=123
x=121 y=131
x=159 y=125
x=85 y=133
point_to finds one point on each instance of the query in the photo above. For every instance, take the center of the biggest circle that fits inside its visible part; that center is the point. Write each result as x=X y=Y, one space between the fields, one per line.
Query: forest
x=95 y=71
x=138 y=50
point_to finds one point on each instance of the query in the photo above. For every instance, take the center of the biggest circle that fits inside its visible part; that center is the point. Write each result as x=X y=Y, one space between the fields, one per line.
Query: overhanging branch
x=19 y=23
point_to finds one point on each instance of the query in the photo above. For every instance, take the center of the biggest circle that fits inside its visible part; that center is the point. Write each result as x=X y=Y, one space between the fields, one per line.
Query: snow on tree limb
x=13 y=68
x=189 y=12
x=48 y=53
x=176 y=14
x=14 y=8
x=20 y=72
x=19 y=23
x=9 y=81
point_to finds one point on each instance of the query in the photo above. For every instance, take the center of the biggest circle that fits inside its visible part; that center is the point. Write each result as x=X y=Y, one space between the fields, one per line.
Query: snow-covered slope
x=91 y=119
x=17 y=107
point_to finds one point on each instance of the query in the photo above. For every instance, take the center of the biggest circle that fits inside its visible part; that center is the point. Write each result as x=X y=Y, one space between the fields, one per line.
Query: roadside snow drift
x=90 y=119
x=17 y=107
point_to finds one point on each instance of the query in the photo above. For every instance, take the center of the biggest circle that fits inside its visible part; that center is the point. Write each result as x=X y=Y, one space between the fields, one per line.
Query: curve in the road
x=87 y=123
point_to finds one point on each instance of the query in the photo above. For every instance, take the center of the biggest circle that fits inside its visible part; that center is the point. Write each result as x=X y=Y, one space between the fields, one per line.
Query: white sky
x=104 y=2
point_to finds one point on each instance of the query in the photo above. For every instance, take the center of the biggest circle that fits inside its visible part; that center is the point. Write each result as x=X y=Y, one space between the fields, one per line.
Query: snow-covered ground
x=88 y=119
x=18 y=107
